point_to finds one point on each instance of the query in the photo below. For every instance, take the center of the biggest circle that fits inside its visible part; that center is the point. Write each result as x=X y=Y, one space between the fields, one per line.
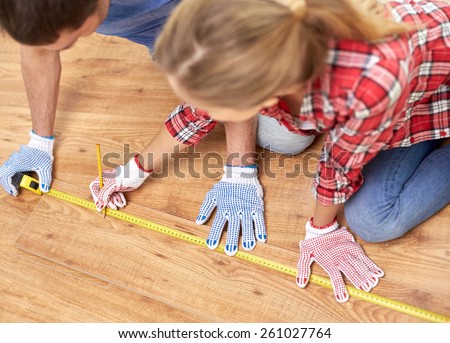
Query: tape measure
x=31 y=184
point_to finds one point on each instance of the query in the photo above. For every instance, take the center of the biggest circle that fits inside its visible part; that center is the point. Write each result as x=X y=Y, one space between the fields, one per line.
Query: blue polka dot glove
x=37 y=157
x=239 y=201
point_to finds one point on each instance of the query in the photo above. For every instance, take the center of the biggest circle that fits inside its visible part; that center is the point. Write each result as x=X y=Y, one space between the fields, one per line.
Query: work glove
x=238 y=197
x=36 y=157
x=117 y=181
x=336 y=251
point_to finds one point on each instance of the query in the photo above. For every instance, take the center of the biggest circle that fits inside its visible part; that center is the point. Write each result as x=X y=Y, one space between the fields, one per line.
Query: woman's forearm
x=162 y=146
x=324 y=215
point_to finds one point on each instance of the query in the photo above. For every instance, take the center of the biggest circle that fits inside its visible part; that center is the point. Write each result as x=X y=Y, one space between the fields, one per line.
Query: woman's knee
x=378 y=216
x=275 y=137
x=374 y=227
x=286 y=148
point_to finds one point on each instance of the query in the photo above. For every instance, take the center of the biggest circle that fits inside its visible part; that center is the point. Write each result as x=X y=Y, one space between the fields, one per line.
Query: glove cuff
x=243 y=175
x=237 y=174
x=148 y=171
x=313 y=231
x=41 y=143
x=132 y=174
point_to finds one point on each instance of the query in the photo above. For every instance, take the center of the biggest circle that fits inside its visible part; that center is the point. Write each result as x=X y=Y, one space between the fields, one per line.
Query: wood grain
x=43 y=294
x=221 y=288
x=112 y=94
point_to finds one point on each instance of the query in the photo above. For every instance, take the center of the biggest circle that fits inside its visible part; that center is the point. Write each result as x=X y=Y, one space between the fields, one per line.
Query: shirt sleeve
x=366 y=128
x=189 y=125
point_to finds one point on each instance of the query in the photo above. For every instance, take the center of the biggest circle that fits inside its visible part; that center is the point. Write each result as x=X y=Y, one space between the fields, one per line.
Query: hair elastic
x=298 y=9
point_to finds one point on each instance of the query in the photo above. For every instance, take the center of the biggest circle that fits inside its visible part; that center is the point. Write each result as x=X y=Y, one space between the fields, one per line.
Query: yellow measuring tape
x=31 y=184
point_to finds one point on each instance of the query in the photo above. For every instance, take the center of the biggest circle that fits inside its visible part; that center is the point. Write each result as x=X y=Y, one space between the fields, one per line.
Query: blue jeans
x=402 y=187
x=139 y=21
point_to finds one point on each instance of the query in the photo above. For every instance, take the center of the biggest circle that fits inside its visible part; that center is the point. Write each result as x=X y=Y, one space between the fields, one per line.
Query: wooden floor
x=62 y=263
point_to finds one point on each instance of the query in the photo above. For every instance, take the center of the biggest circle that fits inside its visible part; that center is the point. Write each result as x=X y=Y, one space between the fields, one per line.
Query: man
x=46 y=27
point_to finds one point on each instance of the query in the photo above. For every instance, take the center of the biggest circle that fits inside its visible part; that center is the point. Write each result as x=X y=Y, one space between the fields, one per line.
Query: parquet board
x=221 y=288
x=111 y=94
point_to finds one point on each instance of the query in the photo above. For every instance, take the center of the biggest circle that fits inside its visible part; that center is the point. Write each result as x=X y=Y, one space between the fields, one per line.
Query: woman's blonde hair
x=238 y=53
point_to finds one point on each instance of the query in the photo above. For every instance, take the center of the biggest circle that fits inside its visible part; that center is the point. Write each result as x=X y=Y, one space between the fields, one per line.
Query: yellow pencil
x=100 y=173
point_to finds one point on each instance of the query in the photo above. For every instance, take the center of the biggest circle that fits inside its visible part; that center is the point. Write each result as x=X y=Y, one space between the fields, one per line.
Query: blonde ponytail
x=298 y=7
x=344 y=19
x=238 y=53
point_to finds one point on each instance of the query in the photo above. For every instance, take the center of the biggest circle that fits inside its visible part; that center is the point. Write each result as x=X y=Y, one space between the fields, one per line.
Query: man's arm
x=240 y=146
x=241 y=138
x=41 y=71
x=238 y=196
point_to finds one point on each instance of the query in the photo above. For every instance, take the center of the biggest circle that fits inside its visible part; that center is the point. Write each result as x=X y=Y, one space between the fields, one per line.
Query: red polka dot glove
x=117 y=181
x=336 y=251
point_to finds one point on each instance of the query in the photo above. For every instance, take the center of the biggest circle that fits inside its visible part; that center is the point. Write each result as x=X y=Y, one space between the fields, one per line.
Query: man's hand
x=239 y=201
x=37 y=157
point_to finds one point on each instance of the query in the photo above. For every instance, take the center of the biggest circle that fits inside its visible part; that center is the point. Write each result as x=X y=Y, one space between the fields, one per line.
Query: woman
x=378 y=85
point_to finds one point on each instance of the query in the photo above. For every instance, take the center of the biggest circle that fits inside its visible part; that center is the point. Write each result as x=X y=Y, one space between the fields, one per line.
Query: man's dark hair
x=39 y=22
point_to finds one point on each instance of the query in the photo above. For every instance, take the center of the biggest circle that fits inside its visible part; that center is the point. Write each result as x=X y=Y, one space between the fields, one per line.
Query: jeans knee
x=374 y=228
x=359 y=226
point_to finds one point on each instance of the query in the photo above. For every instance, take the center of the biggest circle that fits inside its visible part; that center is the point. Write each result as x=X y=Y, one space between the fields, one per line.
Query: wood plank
x=111 y=94
x=35 y=289
x=42 y=294
x=196 y=279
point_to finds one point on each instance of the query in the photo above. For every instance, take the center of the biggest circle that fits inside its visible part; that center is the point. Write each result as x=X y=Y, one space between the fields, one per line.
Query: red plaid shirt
x=371 y=97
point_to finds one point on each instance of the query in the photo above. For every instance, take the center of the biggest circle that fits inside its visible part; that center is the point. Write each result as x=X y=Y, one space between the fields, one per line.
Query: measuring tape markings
x=398 y=306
